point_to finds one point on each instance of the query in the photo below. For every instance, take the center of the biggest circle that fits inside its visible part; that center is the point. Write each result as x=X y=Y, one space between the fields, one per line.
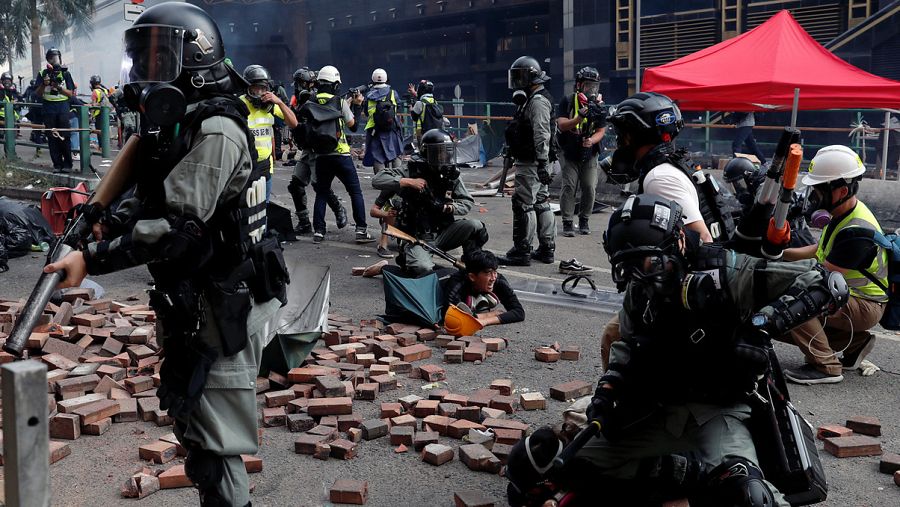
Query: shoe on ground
x=318 y=237
x=573 y=267
x=385 y=253
x=340 y=217
x=541 y=255
x=303 y=228
x=76 y=156
x=809 y=375
x=583 y=228
x=363 y=236
x=852 y=361
x=515 y=259
x=568 y=229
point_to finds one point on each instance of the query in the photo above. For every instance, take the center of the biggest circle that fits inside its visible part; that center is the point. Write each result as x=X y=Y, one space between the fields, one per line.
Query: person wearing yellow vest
x=8 y=93
x=261 y=102
x=383 y=142
x=56 y=88
x=337 y=164
x=581 y=126
x=99 y=97
x=845 y=246
x=426 y=112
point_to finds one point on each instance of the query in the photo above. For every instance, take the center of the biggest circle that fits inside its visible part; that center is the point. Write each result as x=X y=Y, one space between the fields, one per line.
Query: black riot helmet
x=745 y=178
x=304 y=78
x=54 y=57
x=425 y=86
x=587 y=80
x=738 y=168
x=642 y=242
x=439 y=150
x=6 y=78
x=525 y=72
x=95 y=80
x=647 y=118
x=174 y=54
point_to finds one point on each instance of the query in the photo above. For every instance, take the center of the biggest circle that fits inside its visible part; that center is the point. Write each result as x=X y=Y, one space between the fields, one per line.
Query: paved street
x=97 y=467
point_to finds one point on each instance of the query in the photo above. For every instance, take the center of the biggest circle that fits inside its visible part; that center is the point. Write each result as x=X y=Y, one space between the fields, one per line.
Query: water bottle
x=42 y=247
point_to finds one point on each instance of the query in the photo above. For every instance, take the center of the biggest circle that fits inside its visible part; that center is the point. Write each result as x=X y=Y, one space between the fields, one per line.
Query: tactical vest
x=716 y=213
x=420 y=213
x=520 y=133
x=860 y=285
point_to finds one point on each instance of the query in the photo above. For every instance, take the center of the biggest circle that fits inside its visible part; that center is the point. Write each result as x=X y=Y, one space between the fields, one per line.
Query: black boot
x=544 y=253
x=340 y=214
x=520 y=253
x=298 y=195
x=568 y=229
x=583 y=227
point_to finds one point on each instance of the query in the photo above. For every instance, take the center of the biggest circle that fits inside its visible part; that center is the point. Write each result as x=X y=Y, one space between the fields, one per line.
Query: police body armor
x=520 y=132
x=716 y=211
x=421 y=213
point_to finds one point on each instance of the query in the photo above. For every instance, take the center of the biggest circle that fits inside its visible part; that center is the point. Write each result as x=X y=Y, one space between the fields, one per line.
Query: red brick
x=411 y=353
x=437 y=454
x=306 y=443
x=374 y=428
x=469 y=413
x=342 y=449
x=889 y=464
x=505 y=424
x=347 y=421
x=58 y=451
x=86 y=319
x=157 y=452
x=96 y=411
x=570 y=353
x=77 y=384
x=330 y=406
x=404 y=420
x=532 y=401
x=897 y=477
x=349 y=491
x=140 y=485
x=502 y=451
x=354 y=434
x=330 y=386
x=402 y=435
x=475 y=353
x=367 y=391
x=432 y=373
x=68 y=350
x=308 y=374
x=389 y=410
x=128 y=411
x=471 y=499
x=423 y=438
x=138 y=384
x=57 y=362
x=274 y=416
x=546 y=355
x=300 y=422
x=425 y=408
x=65 y=426
x=174 y=477
x=852 y=446
x=162 y=418
x=303 y=390
x=279 y=398
x=453 y=356
x=97 y=428
x=504 y=385
x=114 y=372
x=832 y=430
x=864 y=425
x=570 y=390
x=408 y=402
x=461 y=427
x=494 y=344
x=504 y=403
x=146 y=406
x=385 y=382
x=477 y=457
x=438 y=423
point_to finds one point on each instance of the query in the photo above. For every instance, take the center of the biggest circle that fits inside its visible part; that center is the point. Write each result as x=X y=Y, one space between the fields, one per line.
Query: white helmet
x=832 y=163
x=329 y=74
x=379 y=76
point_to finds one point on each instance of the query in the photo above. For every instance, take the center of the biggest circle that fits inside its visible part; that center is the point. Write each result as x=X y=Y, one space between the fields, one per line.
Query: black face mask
x=622 y=168
x=163 y=104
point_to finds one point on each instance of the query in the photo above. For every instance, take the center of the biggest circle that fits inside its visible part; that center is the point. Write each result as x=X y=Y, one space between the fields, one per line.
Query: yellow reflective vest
x=343 y=148
x=262 y=125
x=860 y=285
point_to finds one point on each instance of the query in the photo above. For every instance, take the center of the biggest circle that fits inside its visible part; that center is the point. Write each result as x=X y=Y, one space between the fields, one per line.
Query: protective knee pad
x=737 y=482
x=295 y=185
x=672 y=475
x=519 y=207
x=542 y=207
x=204 y=468
x=478 y=238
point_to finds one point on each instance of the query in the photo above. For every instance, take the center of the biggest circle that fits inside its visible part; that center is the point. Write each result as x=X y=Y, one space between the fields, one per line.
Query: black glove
x=601 y=405
x=544 y=175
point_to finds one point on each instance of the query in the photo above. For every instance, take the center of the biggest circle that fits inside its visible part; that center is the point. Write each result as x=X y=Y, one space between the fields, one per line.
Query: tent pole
x=706 y=133
x=794 y=107
x=884 y=149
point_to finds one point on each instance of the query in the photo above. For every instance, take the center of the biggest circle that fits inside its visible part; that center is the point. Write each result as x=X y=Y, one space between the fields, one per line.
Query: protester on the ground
x=264 y=107
x=56 y=89
x=304 y=89
x=845 y=246
x=337 y=164
x=383 y=138
x=673 y=407
x=200 y=227
x=432 y=196
x=426 y=112
x=582 y=124
x=483 y=290
x=529 y=139
x=743 y=135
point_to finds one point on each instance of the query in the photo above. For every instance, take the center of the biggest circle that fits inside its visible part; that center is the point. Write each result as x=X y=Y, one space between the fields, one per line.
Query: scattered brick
x=453 y=356
x=77 y=384
x=330 y=386
x=546 y=355
x=162 y=418
x=306 y=443
x=532 y=401
x=403 y=420
x=96 y=411
x=146 y=406
x=373 y=428
x=347 y=421
x=479 y=458
x=458 y=399
x=425 y=408
x=308 y=374
x=491 y=413
x=494 y=344
x=349 y=491
x=97 y=428
x=262 y=385
x=330 y=406
x=437 y=394
x=437 y=454
x=438 y=423
x=461 y=427
x=274 y=416
x=140 y=485
x=505 y=424
x=411 y=353
x=58 y=451
x=865 y=425
x=157 y=452
x=57 y=362
x=447 y=409
x=504 y=403
x=367 y=391
x=138 y=384
x=469 y=413
x=502 y=451
x=68 y=350
x=409 y=401
x=174 y=477
x=65 y=426
x=354 y=434
x=471 y=499
x=889 y=463
x=570 y=390
x=298 y=423
x=852 y=446
x=342 y=449
x=432 y=373
x=475 y=353
x=402 y=435
x=385 y=382
x=423 y=438
x=485 y=438
x=570 y=352
x=504 y=385
x=832 y=430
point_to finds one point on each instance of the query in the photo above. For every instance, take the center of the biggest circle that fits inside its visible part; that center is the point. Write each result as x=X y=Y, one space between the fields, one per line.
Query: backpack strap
x=881 y=241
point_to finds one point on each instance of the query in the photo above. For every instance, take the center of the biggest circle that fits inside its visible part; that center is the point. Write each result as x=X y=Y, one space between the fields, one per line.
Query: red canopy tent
x=758 y=71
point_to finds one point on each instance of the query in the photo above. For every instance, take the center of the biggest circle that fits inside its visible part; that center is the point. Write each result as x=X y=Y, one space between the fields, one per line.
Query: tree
x=58 y=16
x=13 y=32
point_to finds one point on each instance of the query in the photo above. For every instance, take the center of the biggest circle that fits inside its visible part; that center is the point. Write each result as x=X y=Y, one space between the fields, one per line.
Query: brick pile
x=856 y=438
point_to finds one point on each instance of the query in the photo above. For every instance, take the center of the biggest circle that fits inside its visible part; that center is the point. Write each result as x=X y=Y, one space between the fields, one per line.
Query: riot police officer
x=198 y=222
x=674 y=405
x=432 y=195
x=304 y=89
x=529 y=141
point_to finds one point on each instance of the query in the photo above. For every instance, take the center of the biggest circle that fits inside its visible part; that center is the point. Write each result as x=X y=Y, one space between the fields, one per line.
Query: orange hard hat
x=460 y=323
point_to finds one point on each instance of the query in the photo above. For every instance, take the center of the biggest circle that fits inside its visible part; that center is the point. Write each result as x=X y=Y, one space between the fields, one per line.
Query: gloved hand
x=602 y=405
x=543 y=173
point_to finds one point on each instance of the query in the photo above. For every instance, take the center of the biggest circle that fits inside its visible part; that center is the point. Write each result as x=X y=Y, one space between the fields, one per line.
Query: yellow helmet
x=460 y=323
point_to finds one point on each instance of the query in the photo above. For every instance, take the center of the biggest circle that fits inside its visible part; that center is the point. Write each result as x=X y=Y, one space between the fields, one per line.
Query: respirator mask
x=519 y=98
x=151 y=63
x=255 y=94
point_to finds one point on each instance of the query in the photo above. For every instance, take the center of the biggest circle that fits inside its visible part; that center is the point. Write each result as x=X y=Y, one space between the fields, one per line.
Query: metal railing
x=11 y=140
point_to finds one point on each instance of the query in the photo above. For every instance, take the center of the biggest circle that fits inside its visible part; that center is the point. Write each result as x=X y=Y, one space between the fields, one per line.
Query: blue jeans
x=75 y=137
x=328 y=167
x=744 y=136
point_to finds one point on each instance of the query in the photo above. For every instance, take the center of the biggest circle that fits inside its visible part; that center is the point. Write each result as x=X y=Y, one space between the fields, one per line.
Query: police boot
x=520 y=253
x=568 y=229
x=298 y=195
x=340 y=214
x=583 y=227
x=544 y=253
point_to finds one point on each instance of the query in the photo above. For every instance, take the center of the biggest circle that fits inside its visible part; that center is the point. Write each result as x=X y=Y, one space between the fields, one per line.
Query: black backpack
x=385 y=115
x=320 y=126
x=432 y=116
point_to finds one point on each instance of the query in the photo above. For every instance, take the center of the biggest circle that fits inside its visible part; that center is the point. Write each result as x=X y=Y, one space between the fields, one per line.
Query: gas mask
x=591 y=89
x=162 y=103
x=151 y=68
x=819 y=206
x=519 y=98
x=255 y=95
x=622 y=168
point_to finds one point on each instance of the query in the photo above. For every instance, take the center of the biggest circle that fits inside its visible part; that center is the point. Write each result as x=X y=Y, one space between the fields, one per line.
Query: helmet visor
x=519 y=78
x=441 y=154
x=152 y=54
x=590 y=88
x=641 y=265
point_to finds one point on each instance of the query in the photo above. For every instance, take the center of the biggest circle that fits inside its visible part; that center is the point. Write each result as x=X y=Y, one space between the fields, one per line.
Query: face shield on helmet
x=152 y=54
x=441 y=154
x=519 y=78
x=590 y=88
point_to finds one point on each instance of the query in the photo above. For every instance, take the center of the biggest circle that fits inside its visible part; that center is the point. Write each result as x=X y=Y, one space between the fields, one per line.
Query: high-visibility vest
x=371 y=109
x=860 y=285
x=343 y=147
x=56 y=97
x=262 y=125
x=583 y=124
x=426 y=101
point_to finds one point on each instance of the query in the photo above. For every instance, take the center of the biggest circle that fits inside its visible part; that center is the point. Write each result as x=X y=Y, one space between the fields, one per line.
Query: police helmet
x=738 y=168
x=257 y=74
x=647 y=118
x=525 y=72
x=646 y=225
x=53 y=53
x=438 y=148
x=95 y=80
x=424 y=86
x=304 y=75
